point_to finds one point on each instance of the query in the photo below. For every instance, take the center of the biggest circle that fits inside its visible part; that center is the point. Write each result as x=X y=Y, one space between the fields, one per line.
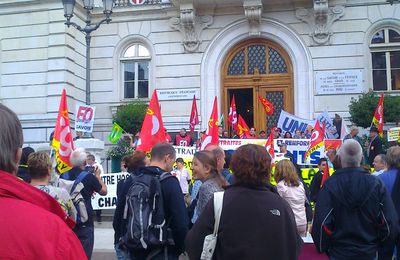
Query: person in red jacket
x=32 y=223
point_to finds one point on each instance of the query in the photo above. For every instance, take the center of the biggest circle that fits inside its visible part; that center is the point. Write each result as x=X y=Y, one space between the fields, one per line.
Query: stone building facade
x=305 y=56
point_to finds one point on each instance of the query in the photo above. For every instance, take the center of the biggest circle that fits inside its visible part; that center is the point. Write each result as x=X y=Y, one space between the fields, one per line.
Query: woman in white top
x=292 y=190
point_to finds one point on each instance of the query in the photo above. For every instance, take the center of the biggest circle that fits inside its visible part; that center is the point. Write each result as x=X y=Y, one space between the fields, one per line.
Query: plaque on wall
x=178 y=94
x=339 y=82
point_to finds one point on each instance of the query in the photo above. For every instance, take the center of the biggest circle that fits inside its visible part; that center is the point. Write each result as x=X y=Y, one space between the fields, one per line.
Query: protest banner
x=110 y=200
x=290 y=123
x=298 y=147
x=393 y=134
x=84 y=118
x=330 y=129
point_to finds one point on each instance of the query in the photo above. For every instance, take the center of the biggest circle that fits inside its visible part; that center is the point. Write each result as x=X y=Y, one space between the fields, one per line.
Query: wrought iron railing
x=123 y=3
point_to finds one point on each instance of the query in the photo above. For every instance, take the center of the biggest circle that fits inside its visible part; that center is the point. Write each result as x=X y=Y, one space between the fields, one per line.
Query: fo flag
x=194 y=116
x=268 y=106
x=377 y=120
x=317 y=140
x=243 y=129
x=62 y=138
x=115 y=133
x=211 y=135
x=153 y=128
x=232 y=116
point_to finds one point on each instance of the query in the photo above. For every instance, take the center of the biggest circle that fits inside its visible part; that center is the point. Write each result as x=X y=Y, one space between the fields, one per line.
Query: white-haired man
x=92 y=183
x=354 y=213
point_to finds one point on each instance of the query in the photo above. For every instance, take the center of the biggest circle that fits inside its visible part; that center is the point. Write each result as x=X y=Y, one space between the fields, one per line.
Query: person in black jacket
x=354 y=213
x=374 y=146
x=162 y=159
x=315 y=184
x=255 y=223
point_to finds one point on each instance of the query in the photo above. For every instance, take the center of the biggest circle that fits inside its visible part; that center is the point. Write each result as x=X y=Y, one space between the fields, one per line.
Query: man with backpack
x=155 y=213
x=91 y=183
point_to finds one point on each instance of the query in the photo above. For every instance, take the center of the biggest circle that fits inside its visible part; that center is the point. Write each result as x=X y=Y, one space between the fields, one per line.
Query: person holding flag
x=374 y=147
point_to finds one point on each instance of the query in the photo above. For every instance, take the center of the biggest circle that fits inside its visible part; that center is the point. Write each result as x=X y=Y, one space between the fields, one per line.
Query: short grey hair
x=11 y=139
x=350 y=154
x=393 y=157
x=353 y=127
x=78 y=157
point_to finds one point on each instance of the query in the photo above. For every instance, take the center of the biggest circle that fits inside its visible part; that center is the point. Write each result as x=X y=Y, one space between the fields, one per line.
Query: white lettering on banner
x=110 y=200
x=290 y=123
x=84 y=118
x=298 y=147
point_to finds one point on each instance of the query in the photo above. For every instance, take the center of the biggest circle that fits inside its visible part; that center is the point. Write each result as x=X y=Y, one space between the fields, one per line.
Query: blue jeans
x=85 y=234
x=121 y=254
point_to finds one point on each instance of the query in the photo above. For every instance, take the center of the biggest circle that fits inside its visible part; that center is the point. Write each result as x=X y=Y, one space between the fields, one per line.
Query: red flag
x=377 y=120
x=326 y=174
x=194 y=115
x=211 y=135
x=243 y=129
x=232 y=116
x=269 y=145
x=153 y=130
x=316 y=141
x=268 y=106
x=62 y=139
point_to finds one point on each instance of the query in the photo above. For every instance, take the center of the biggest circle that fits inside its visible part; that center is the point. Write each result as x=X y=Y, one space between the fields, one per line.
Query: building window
x=385 y=55
x=136 y=67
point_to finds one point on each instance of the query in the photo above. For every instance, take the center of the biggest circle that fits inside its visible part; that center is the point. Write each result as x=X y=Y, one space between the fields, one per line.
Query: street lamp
x=88 y=29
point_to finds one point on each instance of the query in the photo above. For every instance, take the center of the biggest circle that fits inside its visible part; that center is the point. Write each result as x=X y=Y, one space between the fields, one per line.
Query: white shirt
x=183 y=177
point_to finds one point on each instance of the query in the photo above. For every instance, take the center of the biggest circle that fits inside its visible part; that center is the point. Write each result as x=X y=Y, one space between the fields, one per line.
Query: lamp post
x=88 y=29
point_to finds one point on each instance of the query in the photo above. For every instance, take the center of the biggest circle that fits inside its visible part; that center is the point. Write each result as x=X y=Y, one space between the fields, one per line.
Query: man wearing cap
x=286 y=153
x=374 y=146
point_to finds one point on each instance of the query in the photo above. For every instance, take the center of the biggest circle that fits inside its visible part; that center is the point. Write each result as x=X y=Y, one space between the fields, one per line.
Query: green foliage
x=121 y=149
x=130 y=116
x=362 y=109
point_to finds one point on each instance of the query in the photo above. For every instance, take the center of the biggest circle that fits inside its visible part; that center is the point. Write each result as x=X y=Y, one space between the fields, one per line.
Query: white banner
x=331 y=131
x=290 y=123
x=110 y=200
x=84 y=118
x=393 y=134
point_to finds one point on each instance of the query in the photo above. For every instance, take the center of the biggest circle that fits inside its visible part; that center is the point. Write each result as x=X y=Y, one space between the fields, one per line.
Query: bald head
x=350 y=154
x=219 y=154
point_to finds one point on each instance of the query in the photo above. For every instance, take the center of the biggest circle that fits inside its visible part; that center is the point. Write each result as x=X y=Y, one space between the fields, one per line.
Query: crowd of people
x=164 y=213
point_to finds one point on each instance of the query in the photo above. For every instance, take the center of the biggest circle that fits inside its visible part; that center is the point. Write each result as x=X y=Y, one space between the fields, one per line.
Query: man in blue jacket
x=354 y=213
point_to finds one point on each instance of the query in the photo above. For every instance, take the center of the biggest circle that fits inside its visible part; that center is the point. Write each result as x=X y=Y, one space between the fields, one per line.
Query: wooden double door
x=255 y=68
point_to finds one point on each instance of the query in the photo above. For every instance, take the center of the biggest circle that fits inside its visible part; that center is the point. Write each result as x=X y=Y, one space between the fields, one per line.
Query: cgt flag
x=62 y=139
x=232 y=116
x=153 y=130
x=377 y=120
x=326 y=174
x=317 y=140
x=211 y=135
x=115 y=134
x=268 y=106
x=194 y=116
x=269 y=145
x=243 y=129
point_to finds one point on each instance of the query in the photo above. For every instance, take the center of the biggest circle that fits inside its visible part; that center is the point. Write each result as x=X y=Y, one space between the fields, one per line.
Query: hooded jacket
x=353 y=215
x=33 y=225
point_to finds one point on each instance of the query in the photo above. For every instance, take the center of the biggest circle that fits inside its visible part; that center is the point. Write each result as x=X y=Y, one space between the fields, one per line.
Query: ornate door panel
x=262 y=68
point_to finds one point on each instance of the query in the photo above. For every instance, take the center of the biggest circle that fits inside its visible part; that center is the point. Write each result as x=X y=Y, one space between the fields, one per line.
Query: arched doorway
x=257 y=67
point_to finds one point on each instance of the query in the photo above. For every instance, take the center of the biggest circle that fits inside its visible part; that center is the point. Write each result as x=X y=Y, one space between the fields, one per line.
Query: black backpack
x=144 y=209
